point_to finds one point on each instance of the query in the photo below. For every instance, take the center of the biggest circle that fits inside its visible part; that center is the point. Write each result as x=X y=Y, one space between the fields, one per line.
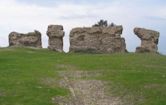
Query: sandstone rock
x=113 y=30
x=31 y=39
x=55 y=34
x=97 y=40
x=149 y=40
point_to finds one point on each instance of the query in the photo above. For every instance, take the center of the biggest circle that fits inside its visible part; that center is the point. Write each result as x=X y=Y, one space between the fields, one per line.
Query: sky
x=28 y=15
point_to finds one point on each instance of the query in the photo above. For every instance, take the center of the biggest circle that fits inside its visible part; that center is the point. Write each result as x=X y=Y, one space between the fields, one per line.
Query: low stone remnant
x=149 y=40
x=97 y=40
x=31 y=39
x=55 y=34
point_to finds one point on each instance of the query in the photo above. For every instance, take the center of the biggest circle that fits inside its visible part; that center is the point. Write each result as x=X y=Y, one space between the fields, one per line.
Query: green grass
x=138 y=79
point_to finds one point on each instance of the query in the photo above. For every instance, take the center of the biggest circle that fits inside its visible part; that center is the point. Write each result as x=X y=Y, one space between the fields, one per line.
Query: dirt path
x=84 y=91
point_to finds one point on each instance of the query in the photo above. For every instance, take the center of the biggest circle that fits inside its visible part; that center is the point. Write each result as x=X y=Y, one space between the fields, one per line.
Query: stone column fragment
x=149 y=40
x=55 y=34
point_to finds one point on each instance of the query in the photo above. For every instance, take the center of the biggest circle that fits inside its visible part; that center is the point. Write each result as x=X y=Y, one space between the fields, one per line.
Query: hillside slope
x=35 y=77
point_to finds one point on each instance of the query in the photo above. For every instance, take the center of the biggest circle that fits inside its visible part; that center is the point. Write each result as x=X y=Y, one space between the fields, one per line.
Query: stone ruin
x=97 y=39
x=149 y=40
x=55 y=34
x=31 y=39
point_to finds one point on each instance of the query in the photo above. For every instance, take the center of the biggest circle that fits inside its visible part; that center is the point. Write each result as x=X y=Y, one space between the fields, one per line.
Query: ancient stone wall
x=97 y=40
x=31 y=39
x=55 y=34
x=149 y=40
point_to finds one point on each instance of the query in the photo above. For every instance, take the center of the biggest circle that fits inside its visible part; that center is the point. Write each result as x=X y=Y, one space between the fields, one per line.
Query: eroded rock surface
x=97 y=40
x=149 y=40
x=31 y=39
x=55 y=34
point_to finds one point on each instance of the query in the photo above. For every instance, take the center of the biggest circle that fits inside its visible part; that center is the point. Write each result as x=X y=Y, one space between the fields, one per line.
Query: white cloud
x=16 y=16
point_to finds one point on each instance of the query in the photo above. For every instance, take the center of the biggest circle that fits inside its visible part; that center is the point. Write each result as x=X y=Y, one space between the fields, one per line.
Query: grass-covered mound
x=29 y=76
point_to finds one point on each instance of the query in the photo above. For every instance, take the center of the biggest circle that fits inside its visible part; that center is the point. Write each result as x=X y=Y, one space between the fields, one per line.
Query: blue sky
x=27 y=15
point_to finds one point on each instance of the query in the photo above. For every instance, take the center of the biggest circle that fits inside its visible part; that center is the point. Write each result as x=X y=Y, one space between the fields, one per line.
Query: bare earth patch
x=152 y=86
x=84 y=92
x=2 y=94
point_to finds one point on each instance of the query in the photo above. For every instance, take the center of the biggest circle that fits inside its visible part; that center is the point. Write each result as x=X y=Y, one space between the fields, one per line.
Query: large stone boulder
x=31 y=39
x=55 y=34
x=97 y=40
x=149 y=40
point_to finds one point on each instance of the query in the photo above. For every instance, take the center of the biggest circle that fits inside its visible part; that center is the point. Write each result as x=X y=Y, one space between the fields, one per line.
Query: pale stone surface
x=149 y=40
x=97 y=40
x=55 y=34
x=31 y=39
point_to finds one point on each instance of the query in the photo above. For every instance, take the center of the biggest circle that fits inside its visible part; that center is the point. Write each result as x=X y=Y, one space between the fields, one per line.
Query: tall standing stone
x=31 y=39
x=55 y=34
x=149 y=40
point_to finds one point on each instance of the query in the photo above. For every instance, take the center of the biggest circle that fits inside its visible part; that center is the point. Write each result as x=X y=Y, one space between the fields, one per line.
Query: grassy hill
x=29 y=76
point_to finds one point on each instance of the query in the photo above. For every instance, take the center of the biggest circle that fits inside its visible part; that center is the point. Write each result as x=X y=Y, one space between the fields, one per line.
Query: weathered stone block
x=149 y=40
x=97 y=40
x=55 y=34
x=32 y=39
